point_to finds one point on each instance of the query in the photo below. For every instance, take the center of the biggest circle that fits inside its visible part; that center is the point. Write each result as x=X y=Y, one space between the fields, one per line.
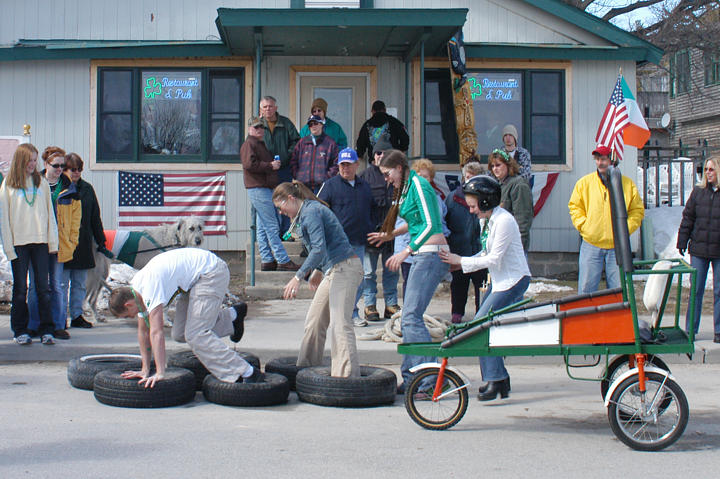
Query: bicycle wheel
x=640 y=420
x=442 y=413
x=619 y=365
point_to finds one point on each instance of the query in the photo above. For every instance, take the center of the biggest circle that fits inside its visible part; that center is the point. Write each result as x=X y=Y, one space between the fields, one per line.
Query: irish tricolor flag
x=622 y=121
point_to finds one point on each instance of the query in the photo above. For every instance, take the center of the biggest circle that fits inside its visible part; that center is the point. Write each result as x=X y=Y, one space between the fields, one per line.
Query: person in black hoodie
x=700 y=226
x=381 y=126
x=91 y=232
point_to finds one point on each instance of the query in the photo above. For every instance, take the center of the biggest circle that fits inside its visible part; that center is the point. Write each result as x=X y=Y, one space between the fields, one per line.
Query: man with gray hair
x=280 y=138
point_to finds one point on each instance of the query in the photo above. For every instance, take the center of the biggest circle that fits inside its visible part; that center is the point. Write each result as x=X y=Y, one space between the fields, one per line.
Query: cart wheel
x=619 y=365
x=648 y=426
x=443 y=413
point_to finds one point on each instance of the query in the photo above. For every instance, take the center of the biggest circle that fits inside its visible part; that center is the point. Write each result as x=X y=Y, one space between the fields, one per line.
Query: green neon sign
x=153 y=88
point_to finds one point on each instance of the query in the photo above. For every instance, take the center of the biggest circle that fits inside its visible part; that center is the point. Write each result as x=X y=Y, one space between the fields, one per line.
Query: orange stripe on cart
x=597 y=328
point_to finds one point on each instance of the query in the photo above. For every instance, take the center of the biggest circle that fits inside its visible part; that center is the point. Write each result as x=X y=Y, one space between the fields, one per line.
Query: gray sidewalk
x=273 y=328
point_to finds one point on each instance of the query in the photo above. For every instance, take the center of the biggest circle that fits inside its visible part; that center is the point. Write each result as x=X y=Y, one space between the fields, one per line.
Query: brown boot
x=390 y=309
x=371 y=313
x=289 y=266
x=271 y=266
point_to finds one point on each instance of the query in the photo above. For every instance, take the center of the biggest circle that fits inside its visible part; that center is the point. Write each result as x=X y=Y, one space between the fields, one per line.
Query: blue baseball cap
x=348 y=155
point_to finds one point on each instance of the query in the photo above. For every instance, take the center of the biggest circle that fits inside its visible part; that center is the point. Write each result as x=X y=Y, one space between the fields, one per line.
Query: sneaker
x=81 y=322
x=61 y=334
x=239 y=322
x=390 y=310
x=23 y=339
x=359 y=322
x=289 y=266
x=271 y=266
x=48 y=339
x=256 y=377
x=371 y=313
x=457 y=318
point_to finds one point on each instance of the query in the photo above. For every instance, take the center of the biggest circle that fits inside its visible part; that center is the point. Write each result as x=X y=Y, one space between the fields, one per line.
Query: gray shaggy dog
x=143 y=247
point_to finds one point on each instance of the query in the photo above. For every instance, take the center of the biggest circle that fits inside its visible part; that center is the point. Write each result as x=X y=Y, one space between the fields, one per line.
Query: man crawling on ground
x=200 y=280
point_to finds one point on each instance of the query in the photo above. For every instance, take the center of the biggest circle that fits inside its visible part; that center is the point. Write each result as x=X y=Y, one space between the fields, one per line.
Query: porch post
x=422 y=98
x=257 y=91
x=408 y=88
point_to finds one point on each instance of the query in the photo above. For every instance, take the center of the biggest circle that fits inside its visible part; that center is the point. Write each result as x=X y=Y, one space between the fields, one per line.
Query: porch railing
x=667 y=175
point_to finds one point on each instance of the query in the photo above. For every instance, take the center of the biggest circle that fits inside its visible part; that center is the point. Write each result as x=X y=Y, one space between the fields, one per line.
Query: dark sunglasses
x=379 y=153
x=709 y=169
x=74 y=170
x=387 y=174
x=313 y=123
x=59 y=165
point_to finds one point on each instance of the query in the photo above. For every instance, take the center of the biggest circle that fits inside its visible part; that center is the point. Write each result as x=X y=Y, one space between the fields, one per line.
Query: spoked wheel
x=619 y=365
x=447 y=410
x=648 y=421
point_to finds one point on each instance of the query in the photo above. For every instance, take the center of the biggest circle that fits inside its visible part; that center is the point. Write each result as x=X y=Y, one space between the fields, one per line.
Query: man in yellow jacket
x=590 y=213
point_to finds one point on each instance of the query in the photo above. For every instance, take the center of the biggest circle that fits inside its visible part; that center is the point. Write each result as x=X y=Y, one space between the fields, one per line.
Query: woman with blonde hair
x=29 y=235
x=700 y=227
x=330 y=252
x=416 y=202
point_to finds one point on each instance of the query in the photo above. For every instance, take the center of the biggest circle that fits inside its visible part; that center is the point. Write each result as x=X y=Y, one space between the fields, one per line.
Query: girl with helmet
x=414 y=201
x=502 y=254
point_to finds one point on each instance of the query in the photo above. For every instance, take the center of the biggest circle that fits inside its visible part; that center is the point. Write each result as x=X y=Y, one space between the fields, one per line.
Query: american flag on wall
x=614 y=121
x=152 y=199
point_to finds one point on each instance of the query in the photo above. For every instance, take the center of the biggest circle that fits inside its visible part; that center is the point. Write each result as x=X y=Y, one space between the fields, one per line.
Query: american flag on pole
x=614 y=121
x=152 y=199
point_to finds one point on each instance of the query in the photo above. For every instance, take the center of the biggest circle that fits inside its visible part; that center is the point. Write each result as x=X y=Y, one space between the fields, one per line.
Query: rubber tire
x=188 y=360
x=618 y=362
x=430 y=423
x=615 y=415
x=176 y=388
x=274 y=390
x=374 y=387
x=287 y=366
x=81 y=371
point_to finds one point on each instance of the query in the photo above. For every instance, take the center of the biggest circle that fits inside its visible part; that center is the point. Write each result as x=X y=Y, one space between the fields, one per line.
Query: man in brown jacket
x=260 y=177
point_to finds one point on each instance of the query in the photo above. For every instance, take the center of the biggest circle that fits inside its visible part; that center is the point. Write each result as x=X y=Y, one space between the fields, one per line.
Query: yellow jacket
x=69 y=216
x=590 y=209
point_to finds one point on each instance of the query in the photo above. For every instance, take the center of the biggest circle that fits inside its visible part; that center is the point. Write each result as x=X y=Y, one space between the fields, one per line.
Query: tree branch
x=614 y=12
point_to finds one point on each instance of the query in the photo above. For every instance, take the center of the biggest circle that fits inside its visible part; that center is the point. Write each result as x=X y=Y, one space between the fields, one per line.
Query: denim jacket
x=323 y=236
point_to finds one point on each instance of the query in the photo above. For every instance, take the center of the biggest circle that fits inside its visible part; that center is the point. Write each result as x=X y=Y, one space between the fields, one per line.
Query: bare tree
x=614 y=9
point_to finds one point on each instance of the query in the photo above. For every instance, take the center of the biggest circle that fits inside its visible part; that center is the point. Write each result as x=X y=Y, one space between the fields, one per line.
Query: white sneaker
x=48 y=339
x=23 y=340
x=360 y=322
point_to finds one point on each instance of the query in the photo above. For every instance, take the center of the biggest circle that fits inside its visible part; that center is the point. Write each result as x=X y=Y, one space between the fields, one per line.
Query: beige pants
x=332 y=306
x=200 y=320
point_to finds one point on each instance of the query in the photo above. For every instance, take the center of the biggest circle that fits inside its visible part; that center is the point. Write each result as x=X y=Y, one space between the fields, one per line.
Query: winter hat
x=510 y=130
x=319 y=103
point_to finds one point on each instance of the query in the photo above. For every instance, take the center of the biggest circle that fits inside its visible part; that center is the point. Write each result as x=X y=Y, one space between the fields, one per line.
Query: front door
x=346 y=96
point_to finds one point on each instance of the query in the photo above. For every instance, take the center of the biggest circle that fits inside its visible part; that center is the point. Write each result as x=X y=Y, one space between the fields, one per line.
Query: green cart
x=646 y=407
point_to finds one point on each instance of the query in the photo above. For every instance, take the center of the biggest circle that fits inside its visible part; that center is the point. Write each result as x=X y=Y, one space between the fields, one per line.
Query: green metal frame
x=677 y=341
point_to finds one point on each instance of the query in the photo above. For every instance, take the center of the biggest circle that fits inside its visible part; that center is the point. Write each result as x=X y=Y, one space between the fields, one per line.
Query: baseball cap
x=254 y=121
x=315 y=118
x=348 y=155
x=602 y=150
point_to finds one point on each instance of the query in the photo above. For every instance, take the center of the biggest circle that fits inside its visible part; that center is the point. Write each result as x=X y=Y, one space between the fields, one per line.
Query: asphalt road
x=550 y=426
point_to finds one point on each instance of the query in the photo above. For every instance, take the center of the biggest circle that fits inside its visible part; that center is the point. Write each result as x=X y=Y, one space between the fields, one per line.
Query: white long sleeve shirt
x=504 y=256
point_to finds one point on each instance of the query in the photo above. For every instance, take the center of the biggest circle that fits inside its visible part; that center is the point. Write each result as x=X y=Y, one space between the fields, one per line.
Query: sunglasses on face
x=387 y=174
x=709 y=169
x=379 y=153
x=74 y=170
x=58 y=165
x=313 y=123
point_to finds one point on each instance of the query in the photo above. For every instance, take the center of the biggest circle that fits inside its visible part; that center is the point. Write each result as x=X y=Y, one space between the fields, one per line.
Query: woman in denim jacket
x=335 y=284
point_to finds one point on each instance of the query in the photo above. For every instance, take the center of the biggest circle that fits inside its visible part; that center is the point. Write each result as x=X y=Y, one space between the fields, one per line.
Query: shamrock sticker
x=474 y=85
x=152 y=88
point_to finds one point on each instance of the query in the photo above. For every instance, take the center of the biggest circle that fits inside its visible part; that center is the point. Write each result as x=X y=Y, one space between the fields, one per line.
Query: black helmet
x=487 y=190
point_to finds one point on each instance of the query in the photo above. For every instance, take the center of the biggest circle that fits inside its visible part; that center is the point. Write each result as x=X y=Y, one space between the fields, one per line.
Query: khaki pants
x=332 y=306
x=201 y=320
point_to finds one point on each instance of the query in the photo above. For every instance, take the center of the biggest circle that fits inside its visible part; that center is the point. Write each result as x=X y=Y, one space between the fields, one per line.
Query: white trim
x=426 y=211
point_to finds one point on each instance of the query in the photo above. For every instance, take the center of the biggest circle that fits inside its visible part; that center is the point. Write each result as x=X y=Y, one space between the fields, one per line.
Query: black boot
x=239 y=322
x=484 y=386
x=494 y=388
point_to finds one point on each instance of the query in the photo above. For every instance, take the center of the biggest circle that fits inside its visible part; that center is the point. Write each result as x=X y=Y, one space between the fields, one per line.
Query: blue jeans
x=360 y=252
x=268 y=226
x=55 y=271
x=75 y=279
x=33 y=256
x=591 y=264
x=702 y=265
x=389 y=278
x=426 y=272
x=493 y=367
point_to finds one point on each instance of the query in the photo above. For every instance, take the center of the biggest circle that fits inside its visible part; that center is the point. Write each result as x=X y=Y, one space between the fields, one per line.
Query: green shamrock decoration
x=474 y=85
x=152 y=88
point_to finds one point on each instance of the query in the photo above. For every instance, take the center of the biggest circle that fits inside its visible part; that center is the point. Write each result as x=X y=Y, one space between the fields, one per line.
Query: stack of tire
x=315 y=385
x=102 y=373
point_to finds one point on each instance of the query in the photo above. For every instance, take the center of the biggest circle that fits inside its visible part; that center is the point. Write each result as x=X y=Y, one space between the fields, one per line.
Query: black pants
x=33 y=255
x=459 y=289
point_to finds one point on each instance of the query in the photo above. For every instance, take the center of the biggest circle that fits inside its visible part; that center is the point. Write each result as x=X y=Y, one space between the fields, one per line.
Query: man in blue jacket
x=350 y=198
